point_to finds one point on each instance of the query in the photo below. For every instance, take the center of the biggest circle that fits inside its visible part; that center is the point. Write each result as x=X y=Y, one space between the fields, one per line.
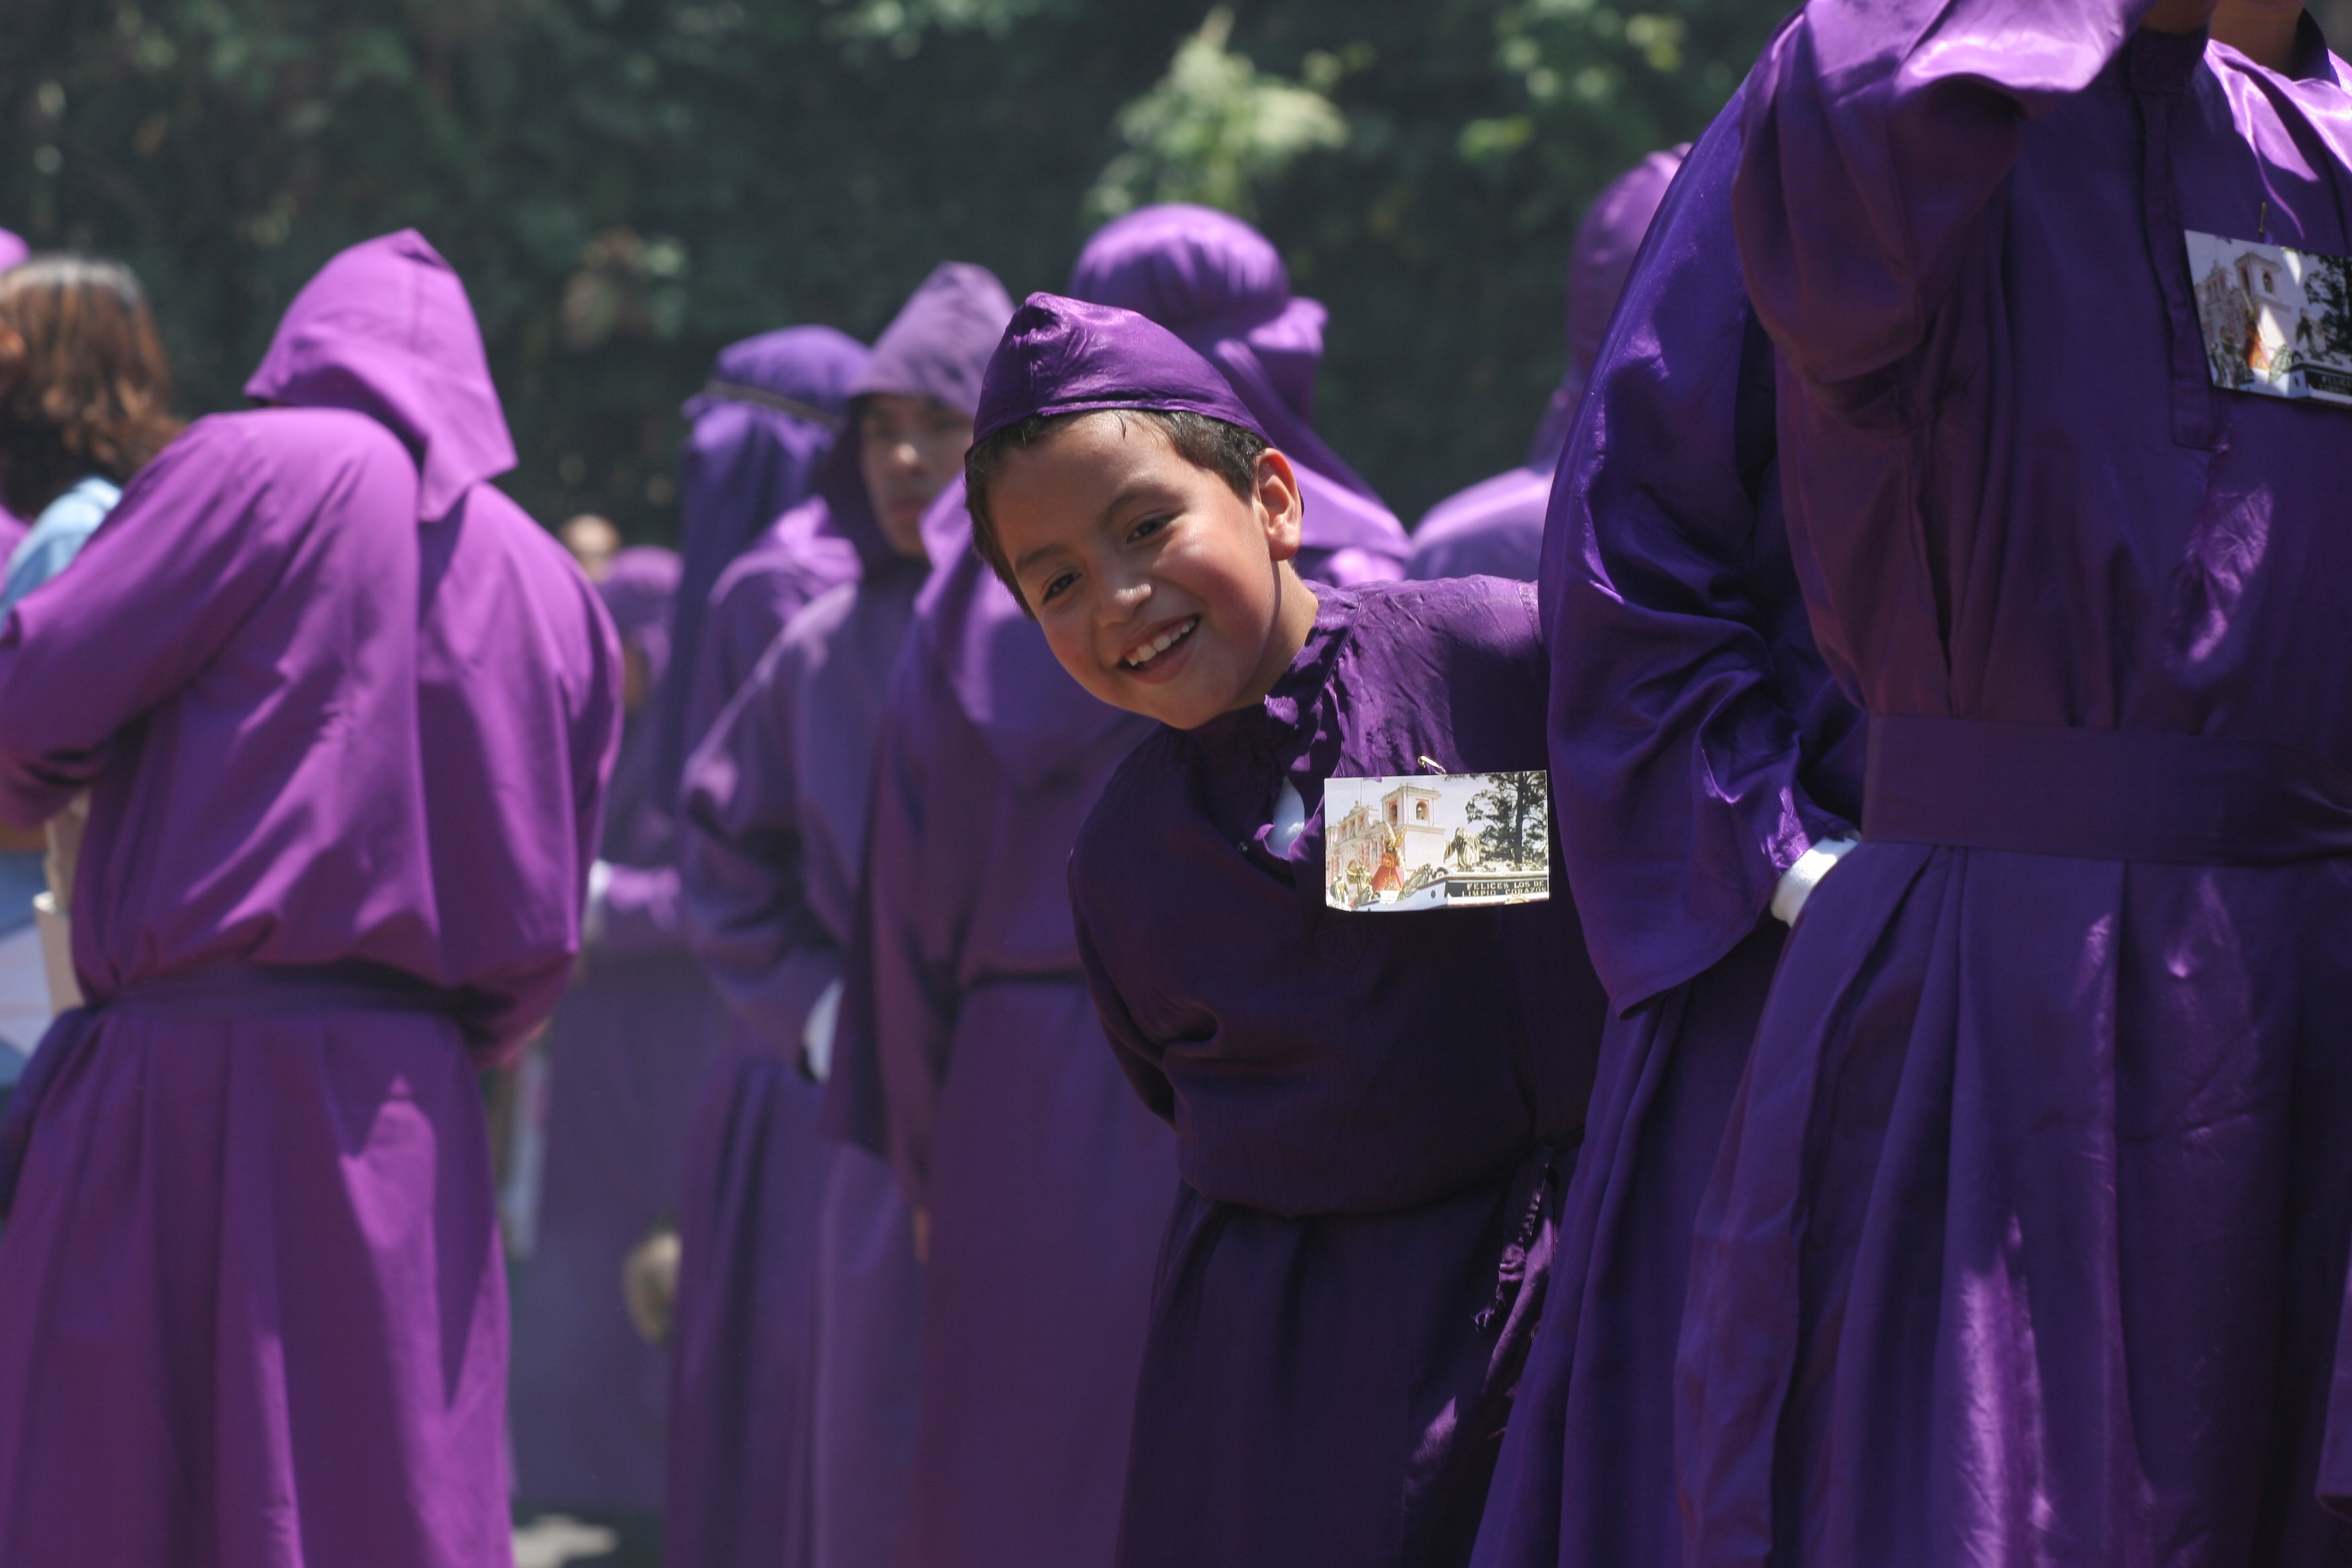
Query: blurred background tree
x=626 y=185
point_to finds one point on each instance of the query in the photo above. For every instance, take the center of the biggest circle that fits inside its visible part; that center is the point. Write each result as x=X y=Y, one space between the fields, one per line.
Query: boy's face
x=909 y=447
x=1159 y=590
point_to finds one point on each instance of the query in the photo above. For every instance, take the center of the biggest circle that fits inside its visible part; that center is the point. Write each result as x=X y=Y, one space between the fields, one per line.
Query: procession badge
x=2276 y=322
x=1436 y=840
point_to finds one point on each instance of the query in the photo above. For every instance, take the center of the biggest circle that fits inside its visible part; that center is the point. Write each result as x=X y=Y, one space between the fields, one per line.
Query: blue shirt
x=64 y=527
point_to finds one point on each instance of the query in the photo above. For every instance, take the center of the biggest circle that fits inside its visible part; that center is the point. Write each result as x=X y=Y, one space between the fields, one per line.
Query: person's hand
x=649 y=1284
x=922 y=1235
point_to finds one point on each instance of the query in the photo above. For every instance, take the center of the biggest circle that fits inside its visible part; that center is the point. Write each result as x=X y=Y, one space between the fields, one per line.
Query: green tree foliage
x=1513 y=816
x=1215 y=128
x=626 y=185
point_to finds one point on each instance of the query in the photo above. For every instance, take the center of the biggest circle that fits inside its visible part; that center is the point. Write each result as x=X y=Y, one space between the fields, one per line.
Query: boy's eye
x=1054 y=586
x=1149 y=526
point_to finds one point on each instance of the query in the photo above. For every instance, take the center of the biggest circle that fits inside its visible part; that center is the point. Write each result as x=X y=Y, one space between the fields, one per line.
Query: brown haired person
x=84 y=390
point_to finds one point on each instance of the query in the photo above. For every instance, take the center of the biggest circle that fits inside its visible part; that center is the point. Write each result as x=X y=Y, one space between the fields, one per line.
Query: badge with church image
x=1437 y=841
x=2276 y=322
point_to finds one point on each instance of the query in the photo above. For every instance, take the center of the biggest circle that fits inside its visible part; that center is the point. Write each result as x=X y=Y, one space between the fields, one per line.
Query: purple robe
x=1221 y=286
x=1698 y=747
x=1357 y=1255
x=774 y=805
x=626 y=1051
x=1496 y=528
x=345 y=713
x=2028 y=1238
x=989 y=1085
x=761 y=428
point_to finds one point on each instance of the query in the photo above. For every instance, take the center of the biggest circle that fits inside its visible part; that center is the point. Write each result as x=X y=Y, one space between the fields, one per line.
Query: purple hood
x=1221 y=286
x=936 y=346
x=385 y=330
x=1600 y=259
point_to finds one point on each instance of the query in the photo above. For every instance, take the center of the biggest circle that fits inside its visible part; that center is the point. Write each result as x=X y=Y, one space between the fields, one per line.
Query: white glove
x=816 y=1034
x=592 y=919
x=1798 y=882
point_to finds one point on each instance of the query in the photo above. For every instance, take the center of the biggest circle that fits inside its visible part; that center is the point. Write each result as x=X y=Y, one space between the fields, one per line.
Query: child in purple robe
x=971 y=1051
x=1373 y=1112
x=2028 y=1240
x=1496 y=528
x=1706 y=767
x=252 y=1305
x=774 y=803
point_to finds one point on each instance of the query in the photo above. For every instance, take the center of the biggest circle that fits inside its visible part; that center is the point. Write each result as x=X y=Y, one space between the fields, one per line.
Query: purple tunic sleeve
x=1879 y=133
x=741 y=856
x=1699 y=744
x=761 y=591
x=518 y=699
x=111 y=643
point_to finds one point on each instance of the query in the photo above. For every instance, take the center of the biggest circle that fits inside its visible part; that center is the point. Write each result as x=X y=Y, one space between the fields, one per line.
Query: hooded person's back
x=345 y=730
x=1221 y=286
x=1496 y=527
x=518 y=698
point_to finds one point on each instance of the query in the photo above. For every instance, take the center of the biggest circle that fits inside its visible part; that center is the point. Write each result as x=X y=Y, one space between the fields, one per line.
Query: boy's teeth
x=1157 y=645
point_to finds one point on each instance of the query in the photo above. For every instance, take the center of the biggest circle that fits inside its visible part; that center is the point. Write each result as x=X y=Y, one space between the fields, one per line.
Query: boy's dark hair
x=84 y=387
x=1225 y=450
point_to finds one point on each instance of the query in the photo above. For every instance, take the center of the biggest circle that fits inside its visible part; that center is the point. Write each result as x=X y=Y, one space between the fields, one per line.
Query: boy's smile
x=1157 y=655
x=1160 y=588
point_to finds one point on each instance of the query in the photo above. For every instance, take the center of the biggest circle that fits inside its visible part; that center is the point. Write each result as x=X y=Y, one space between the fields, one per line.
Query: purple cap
x=1064 y=356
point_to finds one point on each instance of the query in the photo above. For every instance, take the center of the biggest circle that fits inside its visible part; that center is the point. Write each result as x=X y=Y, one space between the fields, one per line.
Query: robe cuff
x=1796 y=883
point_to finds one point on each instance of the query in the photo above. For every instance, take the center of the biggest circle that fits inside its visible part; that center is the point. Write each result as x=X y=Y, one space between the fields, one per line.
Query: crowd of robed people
x=1913 y=1130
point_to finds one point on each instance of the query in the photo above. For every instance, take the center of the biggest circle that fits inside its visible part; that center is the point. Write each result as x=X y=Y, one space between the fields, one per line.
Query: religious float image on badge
x=1437 y=841
x=2276 y=322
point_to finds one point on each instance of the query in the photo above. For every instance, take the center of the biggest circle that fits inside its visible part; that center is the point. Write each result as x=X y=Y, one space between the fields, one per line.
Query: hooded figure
x=761 y=428
x=1496 y=528
x=820 y=542
x=1699 y=750
x=798 y=1291
x=626 y=1051
x=2028 y=1234
x=1221 y=286
x=343 y=803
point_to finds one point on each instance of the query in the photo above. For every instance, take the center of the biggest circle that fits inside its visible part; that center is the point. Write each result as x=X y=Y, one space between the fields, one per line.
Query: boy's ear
x=1281 y=510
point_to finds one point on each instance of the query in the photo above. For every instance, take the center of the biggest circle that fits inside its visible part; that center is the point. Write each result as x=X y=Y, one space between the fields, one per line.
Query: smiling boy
x=1371 y=1111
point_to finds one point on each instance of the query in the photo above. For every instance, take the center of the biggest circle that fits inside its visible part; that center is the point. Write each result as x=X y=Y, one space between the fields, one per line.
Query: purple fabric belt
x=253 y=990
x=223 y=992
x=2102 y=794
